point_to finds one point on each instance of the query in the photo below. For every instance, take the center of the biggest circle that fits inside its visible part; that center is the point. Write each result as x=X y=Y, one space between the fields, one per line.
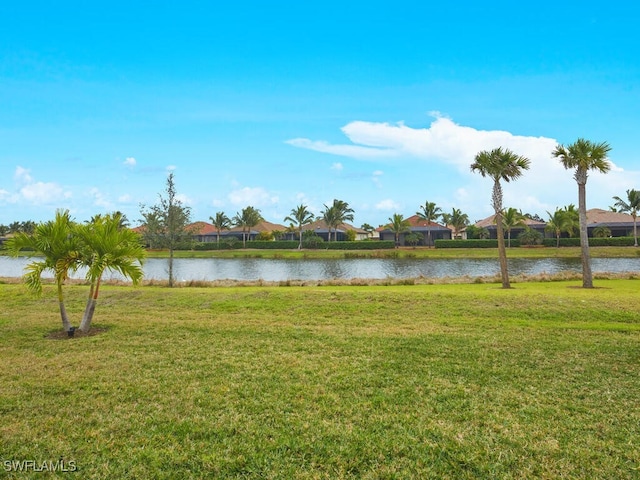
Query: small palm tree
x=601 y=232
x=558 y=222
x=248 y=219
x=632 y=206
x=430 y=213
x=107 y=245
x=584 y=155
x=500 y=164
x=60 y=252
x=335 y=215
x=300 y=216
x=398 y=226
x=512 y=218
x=457 y=220
x=220 y=222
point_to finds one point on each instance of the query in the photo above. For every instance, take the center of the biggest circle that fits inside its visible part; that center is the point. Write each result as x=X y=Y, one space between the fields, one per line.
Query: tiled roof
x=490 y=222
x=596 y=216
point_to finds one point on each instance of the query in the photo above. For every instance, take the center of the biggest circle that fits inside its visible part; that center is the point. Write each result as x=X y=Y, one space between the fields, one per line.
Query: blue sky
x=272 y=104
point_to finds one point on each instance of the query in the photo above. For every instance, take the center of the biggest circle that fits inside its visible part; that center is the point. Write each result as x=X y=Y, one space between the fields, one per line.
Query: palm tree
x=457 y=220
x=335 y=215
x=301 y=217
x=248 y=219
x=631 y=205
x=368 y=228
x=399 y=225
x=221 y=222
x=430 y=213
x=500 y=164
x=584 y=155
x=107 y=245
x=560 y=221
x=512 y=218
x=601 y=232
x=60 y=252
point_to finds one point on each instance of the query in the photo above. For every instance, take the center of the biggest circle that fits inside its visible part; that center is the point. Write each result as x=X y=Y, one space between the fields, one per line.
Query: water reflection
x=208 y=269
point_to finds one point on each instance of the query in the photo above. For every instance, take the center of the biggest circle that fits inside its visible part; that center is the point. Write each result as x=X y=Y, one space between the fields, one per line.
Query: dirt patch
x=62 y=335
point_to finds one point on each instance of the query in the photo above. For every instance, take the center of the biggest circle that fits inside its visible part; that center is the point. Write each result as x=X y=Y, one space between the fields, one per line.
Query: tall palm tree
x=456 y=219
x=301 y=217
x=107 y=245
x=500 y=164
x=430 y=213
x=584 y=155
x=248 y=219
x=335 y=215
x=220 y=222
x=60 y=252
x=398 y=226
x=512 y=218
x=631 y=205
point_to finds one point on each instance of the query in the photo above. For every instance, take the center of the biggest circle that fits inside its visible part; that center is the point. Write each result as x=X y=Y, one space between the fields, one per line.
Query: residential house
x=490 y=224
x=428 y=231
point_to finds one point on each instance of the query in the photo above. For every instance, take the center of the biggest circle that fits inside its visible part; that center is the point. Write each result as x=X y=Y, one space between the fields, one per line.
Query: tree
x=530 y=237
x=601 y=232
x=457 y=220
x=60 y=251
x=335 y=215
x=500 y=164
x=512 y=218
x=632 y=206
x=398 y=226
x=368 y=228
x=108 y=245
x=3 y=230
x=220 y=222
x=430 y=213
x=558 y=222
x=247 y=219
x=300 y=216
x=167 y=222
x=584 y=155
x=15 y=227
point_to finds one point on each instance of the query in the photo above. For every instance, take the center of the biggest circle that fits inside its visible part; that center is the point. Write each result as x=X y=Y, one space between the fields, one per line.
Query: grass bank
x=420 y=252
x=429 y=381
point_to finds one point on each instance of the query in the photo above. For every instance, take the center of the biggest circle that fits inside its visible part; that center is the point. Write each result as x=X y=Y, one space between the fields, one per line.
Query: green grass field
x=375 y=382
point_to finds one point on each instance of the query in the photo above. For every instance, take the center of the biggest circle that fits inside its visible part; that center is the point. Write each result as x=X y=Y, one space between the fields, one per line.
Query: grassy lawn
x=430 y=381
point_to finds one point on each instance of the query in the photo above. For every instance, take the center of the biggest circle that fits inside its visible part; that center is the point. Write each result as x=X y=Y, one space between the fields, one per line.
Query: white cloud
x=387 y=205
x=130 y=162
x=43 y=193
x=171 y=168
x=126 y=198
x=375 y=178
x=22 y=175
x=256 y=197
x=446 y=144
x=99 y=199
x=183 y=199
x=337 y=166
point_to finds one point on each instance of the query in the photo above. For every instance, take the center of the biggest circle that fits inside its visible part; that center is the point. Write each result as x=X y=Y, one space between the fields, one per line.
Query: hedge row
x=293 y=244
x=593 y=242
x=474 y=243
x=547 y=242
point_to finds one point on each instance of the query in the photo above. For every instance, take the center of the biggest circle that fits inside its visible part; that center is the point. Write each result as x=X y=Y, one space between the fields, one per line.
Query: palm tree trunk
x=635 y=232
x=300 y=234
x=66 y=324
x=89 y=310
x=587 y=277
x=502 y=253
x=558 y=240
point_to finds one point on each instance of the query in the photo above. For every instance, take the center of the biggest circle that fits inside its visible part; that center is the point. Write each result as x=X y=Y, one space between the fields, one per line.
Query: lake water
x=246 y=269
